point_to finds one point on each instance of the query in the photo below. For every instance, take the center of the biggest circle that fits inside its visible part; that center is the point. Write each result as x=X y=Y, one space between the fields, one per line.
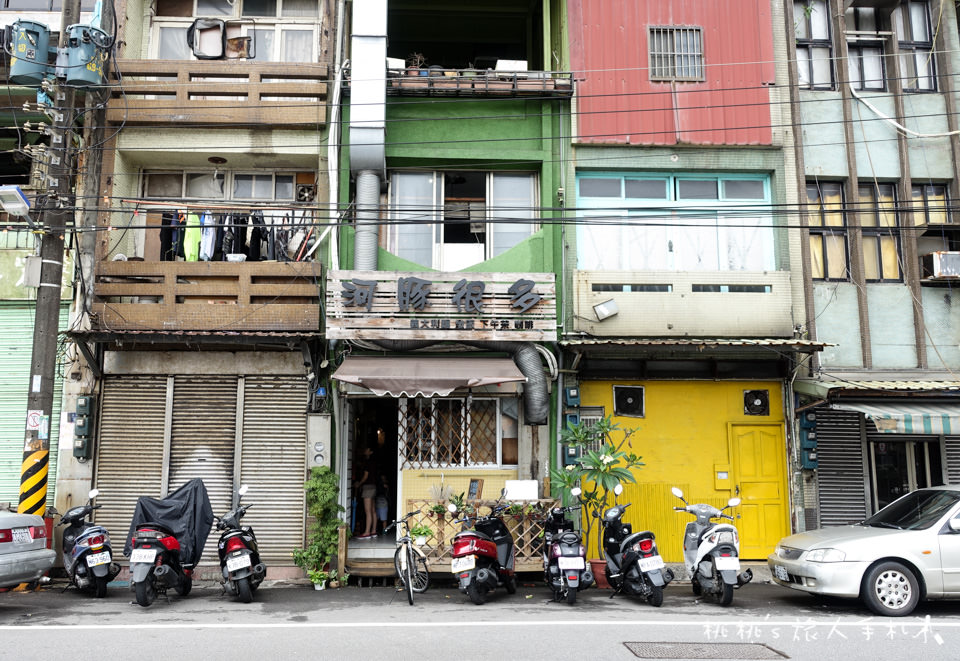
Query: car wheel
x=891 y=589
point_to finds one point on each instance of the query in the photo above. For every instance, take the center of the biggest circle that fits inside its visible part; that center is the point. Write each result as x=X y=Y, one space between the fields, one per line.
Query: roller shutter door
x=273 y=463
x=951 y=450
x=202 y=442
x=129 y=454
x=841 y=481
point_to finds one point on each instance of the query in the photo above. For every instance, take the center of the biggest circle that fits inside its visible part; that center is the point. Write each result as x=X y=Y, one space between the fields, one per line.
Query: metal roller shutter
x=16 y=349
x=951 y=445
x=202 y=441
x=129 y=457
x=841 y=481
x=273 y=462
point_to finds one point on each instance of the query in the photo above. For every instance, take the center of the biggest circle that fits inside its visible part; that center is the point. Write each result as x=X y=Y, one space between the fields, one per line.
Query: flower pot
x=320 y=586
x=334 y=584
x=598 y=567
x=421 y=540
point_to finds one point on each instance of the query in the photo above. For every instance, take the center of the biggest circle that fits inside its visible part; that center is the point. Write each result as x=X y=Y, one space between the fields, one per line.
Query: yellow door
x=759 y=455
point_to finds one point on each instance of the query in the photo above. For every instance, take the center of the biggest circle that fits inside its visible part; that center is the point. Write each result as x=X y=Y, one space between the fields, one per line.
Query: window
x=911 y=23
x=219 y=185
x=930 y=205
x=811 y=19
x=828 y=231
x=657 y=222
x=879 y=224
x=676 y=53
x=42 y=5
x=864 y=49
x=448 y=220
x=458 y=432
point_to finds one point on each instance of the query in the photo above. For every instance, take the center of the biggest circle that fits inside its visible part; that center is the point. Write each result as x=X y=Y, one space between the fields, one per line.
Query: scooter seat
x=153 y=525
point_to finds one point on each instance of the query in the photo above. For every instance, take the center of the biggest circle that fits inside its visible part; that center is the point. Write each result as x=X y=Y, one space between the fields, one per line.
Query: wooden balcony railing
x=220 y=92
x=207 y=296
x=473 y=82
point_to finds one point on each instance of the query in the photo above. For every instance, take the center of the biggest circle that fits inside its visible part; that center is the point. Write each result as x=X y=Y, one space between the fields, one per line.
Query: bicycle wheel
x=419 y=572
x=408 y=574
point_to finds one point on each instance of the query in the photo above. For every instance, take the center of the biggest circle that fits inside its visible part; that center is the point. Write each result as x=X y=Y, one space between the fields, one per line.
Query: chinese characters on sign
x=412 y=293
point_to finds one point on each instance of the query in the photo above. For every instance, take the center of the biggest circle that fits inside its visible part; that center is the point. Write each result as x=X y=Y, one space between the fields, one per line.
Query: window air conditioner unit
x=940 y=265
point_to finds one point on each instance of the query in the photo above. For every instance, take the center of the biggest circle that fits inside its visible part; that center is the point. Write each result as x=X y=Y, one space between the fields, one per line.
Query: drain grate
x=706 y=650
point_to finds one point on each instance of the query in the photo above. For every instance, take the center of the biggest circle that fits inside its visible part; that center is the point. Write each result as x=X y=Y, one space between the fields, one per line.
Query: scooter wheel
x=725 y=596
x=511 y=584
x=100 y=587
x=695 y=586
x=243 y=590
x=476 y=594
x=186 y=584
x=655 y=597
x=571 y=596
x=146 y=592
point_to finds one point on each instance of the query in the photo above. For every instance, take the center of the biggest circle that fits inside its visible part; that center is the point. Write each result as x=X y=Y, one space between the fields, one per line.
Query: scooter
x=87 y=553
x=155 y=564
x=564 y=555
x=483 y=557
x=634 y=565
x=711 y=551
x=239 y=557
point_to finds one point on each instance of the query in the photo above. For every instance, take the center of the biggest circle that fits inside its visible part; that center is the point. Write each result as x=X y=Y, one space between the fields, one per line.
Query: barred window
x=676 y=53
x=911 y=23
x=811 y=21
x=827 y=224
x=880 y=226
x=457 y=431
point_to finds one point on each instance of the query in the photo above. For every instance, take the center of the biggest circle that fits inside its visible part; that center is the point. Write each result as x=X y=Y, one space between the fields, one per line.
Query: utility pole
x=56 y=210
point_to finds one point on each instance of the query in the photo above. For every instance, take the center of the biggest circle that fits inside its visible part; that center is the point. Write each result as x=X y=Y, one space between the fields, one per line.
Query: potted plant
x=459 y=502
x=415 y=62
x=598 y=472
x=420 y=533
x=516 y=510
x=322 y=492
x=438 y=510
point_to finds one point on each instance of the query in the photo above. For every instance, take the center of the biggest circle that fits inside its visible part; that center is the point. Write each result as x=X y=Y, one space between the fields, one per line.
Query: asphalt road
x=296 y=622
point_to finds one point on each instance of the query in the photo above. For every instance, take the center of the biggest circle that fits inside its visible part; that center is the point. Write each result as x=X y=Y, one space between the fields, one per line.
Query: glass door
x=898 y=467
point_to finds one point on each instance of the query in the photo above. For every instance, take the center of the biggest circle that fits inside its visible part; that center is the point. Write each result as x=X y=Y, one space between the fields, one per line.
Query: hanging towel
x=191 y=238
x=208 y=236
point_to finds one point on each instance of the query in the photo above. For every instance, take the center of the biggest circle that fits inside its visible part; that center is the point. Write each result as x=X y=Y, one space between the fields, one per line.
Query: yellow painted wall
x=417 y=483
x=684 y=439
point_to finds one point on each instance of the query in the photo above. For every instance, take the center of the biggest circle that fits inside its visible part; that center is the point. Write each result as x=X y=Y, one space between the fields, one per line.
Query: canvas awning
x=427 y=376
x=909 y=418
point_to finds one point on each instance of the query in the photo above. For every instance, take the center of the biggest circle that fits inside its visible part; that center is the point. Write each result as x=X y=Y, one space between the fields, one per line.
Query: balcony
x=218 y=92
x=170 y=297
x=476 y=83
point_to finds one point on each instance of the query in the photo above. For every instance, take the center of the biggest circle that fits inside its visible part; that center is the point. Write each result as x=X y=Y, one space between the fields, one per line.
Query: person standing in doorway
x=368 y=491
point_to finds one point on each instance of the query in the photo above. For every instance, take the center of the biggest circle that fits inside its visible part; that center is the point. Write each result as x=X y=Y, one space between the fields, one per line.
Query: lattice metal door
x=448 y=432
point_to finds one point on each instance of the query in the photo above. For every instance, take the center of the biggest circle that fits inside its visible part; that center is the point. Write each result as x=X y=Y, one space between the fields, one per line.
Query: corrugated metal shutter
x=273 y=462
x=203 y=437
x=129 y=456
x=951 y=449
x=840 y=473
x=16 y=348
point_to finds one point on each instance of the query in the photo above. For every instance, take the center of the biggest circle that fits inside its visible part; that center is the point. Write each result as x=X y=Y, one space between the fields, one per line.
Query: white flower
x=571 y=467
x=606 y=459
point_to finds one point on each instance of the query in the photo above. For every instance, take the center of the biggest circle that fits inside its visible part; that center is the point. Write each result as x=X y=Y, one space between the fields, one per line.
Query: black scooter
x=564 y=555
x=634 y=565
x=87 y=553
x=239 y=557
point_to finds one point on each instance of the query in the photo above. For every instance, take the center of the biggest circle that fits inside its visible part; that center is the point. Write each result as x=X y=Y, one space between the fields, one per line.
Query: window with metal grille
x=676 y=53
x=911 y=23
x=454 y=431
x=811 y=25
x=827 y=223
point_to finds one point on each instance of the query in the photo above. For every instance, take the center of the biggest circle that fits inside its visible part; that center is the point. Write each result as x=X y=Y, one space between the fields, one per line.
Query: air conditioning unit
x=940 y=265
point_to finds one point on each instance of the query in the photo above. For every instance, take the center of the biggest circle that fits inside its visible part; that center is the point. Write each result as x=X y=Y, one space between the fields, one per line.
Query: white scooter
x=711 y=551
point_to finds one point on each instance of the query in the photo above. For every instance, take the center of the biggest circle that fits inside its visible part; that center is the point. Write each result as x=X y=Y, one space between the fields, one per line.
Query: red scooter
x=483 y=557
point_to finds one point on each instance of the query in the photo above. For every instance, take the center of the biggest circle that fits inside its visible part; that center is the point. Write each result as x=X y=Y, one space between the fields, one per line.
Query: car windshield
x=915 y=511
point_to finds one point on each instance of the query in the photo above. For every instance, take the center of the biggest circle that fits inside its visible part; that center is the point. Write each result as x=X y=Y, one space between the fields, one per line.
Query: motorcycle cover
x=186 y=512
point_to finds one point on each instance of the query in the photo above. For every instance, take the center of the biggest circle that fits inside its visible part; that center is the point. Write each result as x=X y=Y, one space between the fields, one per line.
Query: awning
x=412 y=376
x=908 y=418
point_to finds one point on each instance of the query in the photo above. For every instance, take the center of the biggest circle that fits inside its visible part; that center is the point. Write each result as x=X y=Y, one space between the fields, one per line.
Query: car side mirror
x=954 y=525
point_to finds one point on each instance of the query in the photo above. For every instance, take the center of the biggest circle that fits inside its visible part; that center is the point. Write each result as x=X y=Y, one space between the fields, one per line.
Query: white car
x=906 y=552
x=24 y=556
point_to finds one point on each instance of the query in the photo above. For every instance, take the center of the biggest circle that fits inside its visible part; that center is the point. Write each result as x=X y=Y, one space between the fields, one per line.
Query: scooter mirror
x=93 y=493
x=733 y=502
x=617 y=490
x=575 y=491
x=243 y=489
x=677 y=492
x=452 y=508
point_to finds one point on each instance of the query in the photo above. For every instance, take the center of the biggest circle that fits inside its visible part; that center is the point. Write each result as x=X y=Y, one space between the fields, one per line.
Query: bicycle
x=409 y=561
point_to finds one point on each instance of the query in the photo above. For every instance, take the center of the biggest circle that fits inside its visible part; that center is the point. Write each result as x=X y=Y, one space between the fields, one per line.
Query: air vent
x=628 y=400
x=756 y=402
x=306 y=192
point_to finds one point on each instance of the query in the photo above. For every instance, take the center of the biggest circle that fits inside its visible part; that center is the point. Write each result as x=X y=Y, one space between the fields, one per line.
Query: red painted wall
x=617 y=102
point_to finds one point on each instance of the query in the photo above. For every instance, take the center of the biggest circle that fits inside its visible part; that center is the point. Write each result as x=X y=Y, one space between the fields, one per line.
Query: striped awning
x=908 y=418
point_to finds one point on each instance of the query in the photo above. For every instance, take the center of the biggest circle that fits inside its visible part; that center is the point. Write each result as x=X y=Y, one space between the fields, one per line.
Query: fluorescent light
x=606 y=309
x=13 y=200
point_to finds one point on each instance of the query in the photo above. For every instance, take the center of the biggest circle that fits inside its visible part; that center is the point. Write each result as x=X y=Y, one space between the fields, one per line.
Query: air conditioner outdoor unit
x=940 y=265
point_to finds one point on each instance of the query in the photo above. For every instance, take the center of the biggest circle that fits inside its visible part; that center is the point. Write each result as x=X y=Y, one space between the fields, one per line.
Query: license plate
x=781 y=572
x=570 y=563
x=143 y=555
x=723 y=564
x=463 y=564
x=651 y=563
x=22 y=536
x=238 y=562
x=95 y=559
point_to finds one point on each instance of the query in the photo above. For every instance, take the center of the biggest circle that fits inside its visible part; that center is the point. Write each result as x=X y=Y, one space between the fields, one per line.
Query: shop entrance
x=899 y=467
x=374 y=427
